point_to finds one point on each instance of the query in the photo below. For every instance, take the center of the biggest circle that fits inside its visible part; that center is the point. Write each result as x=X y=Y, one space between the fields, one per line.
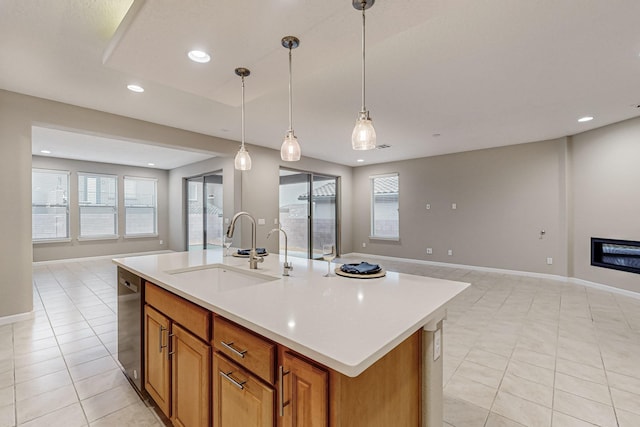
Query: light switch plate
x=261 y=221
x=454 y=206
x=428 y=206
x=429 y=251
x=450 y=252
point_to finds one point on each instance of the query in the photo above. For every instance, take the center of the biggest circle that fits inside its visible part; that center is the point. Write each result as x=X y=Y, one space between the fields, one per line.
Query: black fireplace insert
x=616 y=254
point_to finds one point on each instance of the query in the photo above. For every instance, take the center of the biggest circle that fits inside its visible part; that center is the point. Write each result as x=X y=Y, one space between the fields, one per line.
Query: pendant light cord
x=242 y=112
x=363 y=48
x=290 y=96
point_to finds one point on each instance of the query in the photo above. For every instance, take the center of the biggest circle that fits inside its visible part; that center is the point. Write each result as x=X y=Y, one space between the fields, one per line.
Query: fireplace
x=616 y=254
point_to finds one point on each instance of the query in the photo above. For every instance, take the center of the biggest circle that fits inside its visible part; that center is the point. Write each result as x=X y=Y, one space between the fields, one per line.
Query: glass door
x=323 y=213
x=204 y=211
x=309 y=217
x=294 y=212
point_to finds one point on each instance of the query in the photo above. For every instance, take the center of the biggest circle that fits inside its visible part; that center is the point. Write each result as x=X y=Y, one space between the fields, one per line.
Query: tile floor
x=519 y=351
x=60 y=369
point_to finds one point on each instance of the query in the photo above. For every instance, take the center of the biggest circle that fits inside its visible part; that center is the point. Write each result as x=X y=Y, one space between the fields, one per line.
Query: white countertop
x=345 y=324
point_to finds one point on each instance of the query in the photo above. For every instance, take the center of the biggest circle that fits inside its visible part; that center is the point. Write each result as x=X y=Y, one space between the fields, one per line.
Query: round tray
x=237 y=255
x=377 y=275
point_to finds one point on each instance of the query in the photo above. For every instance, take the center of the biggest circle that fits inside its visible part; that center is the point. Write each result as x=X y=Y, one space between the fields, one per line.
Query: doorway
x=309 y=212
x=204 y=211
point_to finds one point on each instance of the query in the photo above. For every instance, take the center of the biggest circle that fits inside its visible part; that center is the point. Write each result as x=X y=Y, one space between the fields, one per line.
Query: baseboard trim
x=602 y=287
x=565 y=279
x=99 y=257
x=20 y=317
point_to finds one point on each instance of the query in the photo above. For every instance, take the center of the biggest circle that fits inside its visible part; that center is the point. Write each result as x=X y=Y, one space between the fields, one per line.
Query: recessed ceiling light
x=360 y=160
x=135 y=88
x=151 y=164
x=585 y=119
x=199 y=56
x=45 y=151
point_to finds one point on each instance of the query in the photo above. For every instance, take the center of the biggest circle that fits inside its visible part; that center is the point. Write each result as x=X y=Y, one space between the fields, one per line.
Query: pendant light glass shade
x=243 y=160
x=290 y=150
x=364 y=135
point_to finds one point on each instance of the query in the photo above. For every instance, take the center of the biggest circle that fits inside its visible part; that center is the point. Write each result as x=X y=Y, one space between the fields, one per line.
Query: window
x=98 y=201
x=49 y=205
x=140 y=206
x=385 y=222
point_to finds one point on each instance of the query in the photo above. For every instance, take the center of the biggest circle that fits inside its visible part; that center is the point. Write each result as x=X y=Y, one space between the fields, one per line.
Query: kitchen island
x=371 y=346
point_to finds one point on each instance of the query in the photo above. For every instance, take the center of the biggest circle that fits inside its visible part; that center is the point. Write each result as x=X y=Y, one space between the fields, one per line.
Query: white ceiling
x=478 y=73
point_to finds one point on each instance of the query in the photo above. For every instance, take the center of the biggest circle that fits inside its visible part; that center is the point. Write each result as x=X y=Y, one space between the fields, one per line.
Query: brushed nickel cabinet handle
x=228 y=376
x=281 y=402
x=170 y=346
x=160 y=330
x=239 y=353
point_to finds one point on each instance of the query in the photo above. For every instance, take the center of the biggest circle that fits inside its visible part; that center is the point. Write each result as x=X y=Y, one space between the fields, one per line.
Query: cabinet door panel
x=306 y=388
x=190 y=379
x=157 y=365
x=239 y=398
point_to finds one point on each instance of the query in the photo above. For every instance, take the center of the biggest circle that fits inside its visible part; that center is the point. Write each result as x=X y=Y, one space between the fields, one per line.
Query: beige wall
x=504 y=196
x=177 y=209
x=572 y=188
x=77 y=248
x=260 y=193
x=18 y=113
x=606 y=196
x=16 y=292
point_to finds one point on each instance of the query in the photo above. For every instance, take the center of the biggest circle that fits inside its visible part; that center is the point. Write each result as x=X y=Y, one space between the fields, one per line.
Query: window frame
x=67 y=238
x=155 y=206
x=372 y=227
x=115 y=206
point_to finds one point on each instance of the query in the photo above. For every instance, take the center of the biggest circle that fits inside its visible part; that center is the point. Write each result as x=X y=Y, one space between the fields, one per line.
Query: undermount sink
x=221 y=276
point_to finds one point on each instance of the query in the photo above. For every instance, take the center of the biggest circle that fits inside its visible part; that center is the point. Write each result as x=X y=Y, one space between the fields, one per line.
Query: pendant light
x=243 y=160
x=290 y=150
x=364 y=135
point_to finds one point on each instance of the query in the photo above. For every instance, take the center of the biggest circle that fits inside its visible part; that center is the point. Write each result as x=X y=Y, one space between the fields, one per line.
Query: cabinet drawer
x=239 y=398
x=191 y=316
x=247 y=349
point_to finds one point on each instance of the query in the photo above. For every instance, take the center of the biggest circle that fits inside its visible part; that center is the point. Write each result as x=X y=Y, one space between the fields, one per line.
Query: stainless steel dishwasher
x=130 y=299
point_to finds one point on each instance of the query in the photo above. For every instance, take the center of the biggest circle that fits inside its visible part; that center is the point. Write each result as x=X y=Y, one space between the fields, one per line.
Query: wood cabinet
x=156 y=357
x=190 y=379
x=177 y=357
x=304 y=391
x=247 y=349
x=240 y=399
x=250 y=381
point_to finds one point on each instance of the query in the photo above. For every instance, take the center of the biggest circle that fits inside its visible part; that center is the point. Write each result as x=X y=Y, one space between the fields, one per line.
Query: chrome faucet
x=254 y=259
x=287 y=265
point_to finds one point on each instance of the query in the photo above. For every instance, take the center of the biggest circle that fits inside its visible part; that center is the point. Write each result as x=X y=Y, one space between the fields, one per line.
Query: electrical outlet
x=161 y=242
x=275 y=221
x=437 y=344
x=428 y=206
x=454 y=206
x=226 y=220
x=450 y=252
x=364 y=245
x=429 y=251
x=549 y=261
x=261 y=221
